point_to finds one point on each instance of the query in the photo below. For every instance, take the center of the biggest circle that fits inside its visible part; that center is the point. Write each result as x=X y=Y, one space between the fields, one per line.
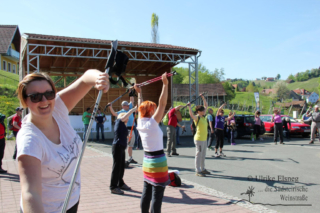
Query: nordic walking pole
x=110 y=62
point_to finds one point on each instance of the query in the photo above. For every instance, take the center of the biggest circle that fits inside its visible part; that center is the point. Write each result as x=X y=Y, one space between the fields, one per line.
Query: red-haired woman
x=48 y=146
x=155 y=169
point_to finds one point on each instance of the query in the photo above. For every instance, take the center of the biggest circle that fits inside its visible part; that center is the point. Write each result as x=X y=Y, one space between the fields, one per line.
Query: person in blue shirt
x=211 y=125
x=125 y=108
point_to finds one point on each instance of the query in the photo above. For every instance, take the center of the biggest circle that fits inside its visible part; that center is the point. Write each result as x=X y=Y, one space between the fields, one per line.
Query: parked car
x=297 y=128
x=245 y=125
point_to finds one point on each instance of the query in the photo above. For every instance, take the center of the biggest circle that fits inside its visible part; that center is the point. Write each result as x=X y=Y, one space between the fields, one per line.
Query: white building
x=312 y=98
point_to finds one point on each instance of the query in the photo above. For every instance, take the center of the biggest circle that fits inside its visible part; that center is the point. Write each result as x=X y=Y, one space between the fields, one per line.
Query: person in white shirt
x=155 y=168
x=48 y=146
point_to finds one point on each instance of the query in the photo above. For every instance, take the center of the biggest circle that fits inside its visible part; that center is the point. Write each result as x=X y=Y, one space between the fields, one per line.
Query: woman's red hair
x=146 y=108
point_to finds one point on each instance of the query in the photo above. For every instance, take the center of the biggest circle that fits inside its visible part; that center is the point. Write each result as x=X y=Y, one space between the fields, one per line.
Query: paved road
x=292 y=168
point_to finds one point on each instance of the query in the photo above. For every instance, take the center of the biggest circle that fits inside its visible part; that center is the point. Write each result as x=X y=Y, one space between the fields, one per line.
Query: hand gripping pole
x=110 y=62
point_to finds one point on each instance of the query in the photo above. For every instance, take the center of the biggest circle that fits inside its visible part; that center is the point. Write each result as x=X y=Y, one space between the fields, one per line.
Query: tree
x=181 y=73
x=281 y=90
x=218 y=74
x=154 y=28
x=229 y=90
x=204 y=76
x=251 y=88
x=291 y=77
x=278 y=76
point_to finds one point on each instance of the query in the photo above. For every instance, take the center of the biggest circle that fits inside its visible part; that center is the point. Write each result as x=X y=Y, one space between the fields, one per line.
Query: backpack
x=175 y=179
x=165 y=120
x=10 y=125
x=194 y=127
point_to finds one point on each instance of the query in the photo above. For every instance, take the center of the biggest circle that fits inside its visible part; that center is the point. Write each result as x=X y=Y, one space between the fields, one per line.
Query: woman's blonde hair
x=22 y=87
x=122 y=114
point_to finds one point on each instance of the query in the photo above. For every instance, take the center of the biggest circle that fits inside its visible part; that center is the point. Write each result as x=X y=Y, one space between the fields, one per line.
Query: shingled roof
x=9 y=34
x=99 y=41
x=212 y=89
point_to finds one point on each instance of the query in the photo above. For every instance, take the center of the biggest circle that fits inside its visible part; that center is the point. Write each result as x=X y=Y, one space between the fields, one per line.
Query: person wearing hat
x=130 y=124
x=278 y=130
x=2 y=141
x=16 y=123
x=315 y=119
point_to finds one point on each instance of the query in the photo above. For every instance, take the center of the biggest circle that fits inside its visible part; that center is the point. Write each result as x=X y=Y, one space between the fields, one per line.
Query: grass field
x=248 y=99
x=310 y=85
x=266 y=84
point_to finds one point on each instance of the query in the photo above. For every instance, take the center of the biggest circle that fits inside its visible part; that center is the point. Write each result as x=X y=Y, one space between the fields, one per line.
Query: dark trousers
x=101 y=128
x=118 y=154
x=220 y=138
x=287 y=132
x=15 y=148
x=2 y=147
x=151 y=192
x=278 y=131
x=178 y=134
x=137 y=142
x=231 y=132
x=257 y=131
x=210 y=138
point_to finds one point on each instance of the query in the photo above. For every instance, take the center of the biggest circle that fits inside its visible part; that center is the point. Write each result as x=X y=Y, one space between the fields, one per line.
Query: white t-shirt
x=151 y=134
x=57 y=161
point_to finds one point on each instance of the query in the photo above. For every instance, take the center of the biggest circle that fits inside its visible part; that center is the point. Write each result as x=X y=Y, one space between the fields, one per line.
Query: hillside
x=310 y=85
x=8 y=99
x=248 y=98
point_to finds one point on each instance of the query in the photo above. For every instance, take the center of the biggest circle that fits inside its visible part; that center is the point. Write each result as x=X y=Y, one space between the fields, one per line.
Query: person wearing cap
x=315 y=119
x=306 y=115
x=16 y=123
x=2 y=141
x=278 y=130
x=86 y=119
x=130 y=124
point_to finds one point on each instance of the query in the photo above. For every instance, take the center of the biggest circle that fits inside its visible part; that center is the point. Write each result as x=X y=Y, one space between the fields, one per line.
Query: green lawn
x=310 y=85
x=266 y=84
x=248 y=99
x=8 y=80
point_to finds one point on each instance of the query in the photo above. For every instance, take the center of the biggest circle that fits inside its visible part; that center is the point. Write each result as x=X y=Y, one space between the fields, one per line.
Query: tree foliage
x=281 y=91
x=278 y=76
x=154 y=28
x=304 y=76
x=251 y=87
x=229 y=90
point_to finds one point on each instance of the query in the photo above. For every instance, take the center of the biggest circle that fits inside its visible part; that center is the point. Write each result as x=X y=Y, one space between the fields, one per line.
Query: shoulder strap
x=198 y=120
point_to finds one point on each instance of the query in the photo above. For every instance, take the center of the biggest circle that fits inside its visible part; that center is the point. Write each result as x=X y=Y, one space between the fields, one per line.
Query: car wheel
x=307 y=135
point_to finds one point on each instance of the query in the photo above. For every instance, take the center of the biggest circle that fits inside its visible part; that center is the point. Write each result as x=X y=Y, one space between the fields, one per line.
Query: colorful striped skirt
x=155 y=168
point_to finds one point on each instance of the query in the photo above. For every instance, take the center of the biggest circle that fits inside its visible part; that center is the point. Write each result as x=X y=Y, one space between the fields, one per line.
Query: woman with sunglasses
x=200 y=138
x=220 y=119
x=48 y=146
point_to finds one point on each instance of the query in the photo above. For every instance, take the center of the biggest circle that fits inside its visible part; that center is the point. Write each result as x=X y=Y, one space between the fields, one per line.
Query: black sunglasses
x=37 y=97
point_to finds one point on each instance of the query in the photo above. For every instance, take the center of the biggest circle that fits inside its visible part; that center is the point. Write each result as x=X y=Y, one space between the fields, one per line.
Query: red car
x=297 y=128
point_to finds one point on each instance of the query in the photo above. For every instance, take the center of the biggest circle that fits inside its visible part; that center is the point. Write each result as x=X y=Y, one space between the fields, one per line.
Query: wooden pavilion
x=68 y=56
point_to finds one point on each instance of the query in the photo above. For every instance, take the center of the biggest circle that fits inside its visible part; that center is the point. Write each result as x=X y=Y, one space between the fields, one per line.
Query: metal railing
x=13 y=53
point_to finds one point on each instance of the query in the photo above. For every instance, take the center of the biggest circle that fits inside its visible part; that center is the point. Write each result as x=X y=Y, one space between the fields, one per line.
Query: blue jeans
x=85 y=131
x=178 y=134
x=101 y=128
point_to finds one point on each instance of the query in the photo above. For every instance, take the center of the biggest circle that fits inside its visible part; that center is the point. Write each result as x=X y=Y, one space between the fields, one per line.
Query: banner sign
x=77 y=124
x=256 y=97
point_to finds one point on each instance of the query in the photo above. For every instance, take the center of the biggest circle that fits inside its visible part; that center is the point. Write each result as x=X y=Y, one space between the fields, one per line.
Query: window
x=14 y=68
x=9 y=67
x=4 y=65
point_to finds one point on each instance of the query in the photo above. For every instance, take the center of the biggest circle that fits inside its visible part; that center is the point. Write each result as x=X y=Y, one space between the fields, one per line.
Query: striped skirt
x=155 y=168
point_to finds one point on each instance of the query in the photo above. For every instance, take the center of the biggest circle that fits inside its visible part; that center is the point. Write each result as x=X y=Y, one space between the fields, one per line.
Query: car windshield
x=265 y=118
x=250 y=119
x=292 y=120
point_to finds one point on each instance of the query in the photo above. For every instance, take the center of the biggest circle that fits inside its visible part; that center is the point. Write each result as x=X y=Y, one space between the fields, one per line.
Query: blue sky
x=248 y=38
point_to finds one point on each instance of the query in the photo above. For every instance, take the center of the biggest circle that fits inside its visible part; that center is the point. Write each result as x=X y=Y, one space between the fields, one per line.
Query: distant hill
x=310 y=85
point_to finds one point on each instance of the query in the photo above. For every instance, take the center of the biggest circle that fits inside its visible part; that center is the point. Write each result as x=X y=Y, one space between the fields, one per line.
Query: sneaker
x=222 y=155
x=117 y=191
x=261 y=139
x=175 y=154
x=125 y=187
x=210 y=148
x=311 y=142
x=215 y=155
x=200 y=174
x=3 y=171
x=233 y=144
x=281 y=143
x=132 y=161
x=206 y=172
